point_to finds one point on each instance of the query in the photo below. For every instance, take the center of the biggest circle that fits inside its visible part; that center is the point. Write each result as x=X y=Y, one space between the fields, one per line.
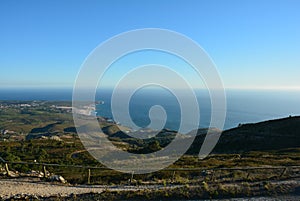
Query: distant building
x=25 y=105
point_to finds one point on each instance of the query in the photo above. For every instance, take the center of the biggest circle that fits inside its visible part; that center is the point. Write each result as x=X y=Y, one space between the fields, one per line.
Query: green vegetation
x=40 y=132
x=19 y=118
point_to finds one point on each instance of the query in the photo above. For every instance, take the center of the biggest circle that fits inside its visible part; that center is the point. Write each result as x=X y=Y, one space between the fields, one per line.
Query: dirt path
x=11 y=187
x=27 y=186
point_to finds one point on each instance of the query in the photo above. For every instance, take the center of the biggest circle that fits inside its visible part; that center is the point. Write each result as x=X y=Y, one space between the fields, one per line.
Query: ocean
x=243 y=106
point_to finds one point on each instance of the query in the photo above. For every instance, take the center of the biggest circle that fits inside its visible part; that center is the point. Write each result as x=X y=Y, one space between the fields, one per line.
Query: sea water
x=243 y=106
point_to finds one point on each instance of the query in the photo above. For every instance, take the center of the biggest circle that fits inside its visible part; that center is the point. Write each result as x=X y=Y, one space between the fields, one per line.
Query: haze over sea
x=243 y=106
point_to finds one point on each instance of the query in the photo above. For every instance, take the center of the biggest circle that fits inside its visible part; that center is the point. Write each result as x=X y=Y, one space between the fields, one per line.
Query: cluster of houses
x=19 y=105
x=63 y=108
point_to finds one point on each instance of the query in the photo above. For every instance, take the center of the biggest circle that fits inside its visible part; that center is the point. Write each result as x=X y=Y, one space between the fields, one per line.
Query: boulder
x=58 y=178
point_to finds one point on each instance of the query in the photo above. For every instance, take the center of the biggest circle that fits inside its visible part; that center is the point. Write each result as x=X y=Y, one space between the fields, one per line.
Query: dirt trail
x=11 y=187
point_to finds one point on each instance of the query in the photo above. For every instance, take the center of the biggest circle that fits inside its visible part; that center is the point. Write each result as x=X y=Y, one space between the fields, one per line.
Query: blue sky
x=254 y=43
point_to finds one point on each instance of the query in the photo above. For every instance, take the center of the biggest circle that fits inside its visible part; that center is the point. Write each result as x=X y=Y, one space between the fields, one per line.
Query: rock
x=206 y=172
x=34 y=173
x=13 y=174
x=55 y=138
x=58 y=178
x=24 y=196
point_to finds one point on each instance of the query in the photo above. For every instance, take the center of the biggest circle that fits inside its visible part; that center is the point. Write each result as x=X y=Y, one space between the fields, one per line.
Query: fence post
x=248 y=175
x=7 y=170
x=283 y=172
x=89 y=176
x=173 y=177
x=212 y=175
x=131 y=179
x=232 y=176
x=45 y=171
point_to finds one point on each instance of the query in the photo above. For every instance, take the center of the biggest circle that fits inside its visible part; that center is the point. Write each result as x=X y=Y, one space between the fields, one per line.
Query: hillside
x=41 y=119
x=49 y=136
x=263 y=136
x=268 y=135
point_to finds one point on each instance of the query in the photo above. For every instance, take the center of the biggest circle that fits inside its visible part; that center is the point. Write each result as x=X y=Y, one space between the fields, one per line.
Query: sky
x=255 y=44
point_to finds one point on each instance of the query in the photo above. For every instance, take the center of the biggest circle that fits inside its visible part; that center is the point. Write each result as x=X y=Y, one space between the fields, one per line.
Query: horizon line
x=296 y=88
